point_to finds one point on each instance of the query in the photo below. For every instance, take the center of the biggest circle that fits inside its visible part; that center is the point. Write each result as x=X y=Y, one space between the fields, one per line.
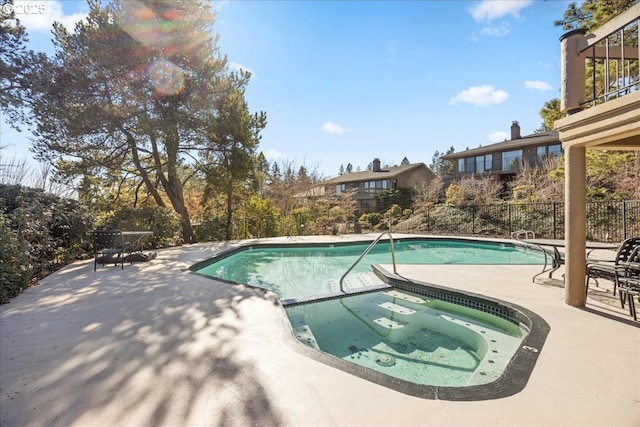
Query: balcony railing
x=602 y=65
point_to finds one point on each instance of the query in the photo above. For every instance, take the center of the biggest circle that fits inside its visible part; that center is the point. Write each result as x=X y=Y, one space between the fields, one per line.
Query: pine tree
x=133 y=90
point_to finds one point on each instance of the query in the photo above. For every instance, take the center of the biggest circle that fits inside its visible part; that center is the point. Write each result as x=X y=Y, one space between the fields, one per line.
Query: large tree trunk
x=172 y=184
x=187 y=229
x=174 y=191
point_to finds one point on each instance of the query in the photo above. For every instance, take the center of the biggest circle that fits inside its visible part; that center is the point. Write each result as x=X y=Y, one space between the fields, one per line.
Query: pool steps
x=396 y=308
x=406 y=297
x=366 y=251
x=357 y=281
x=387 y=323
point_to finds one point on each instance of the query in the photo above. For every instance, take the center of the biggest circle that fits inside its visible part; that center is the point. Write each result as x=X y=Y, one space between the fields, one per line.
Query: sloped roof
x=512 y=144
x=369 y=175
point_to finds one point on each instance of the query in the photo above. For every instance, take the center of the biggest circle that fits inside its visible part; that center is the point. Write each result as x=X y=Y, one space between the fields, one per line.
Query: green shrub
x=397 y=196
x=370 y=219
x=52 y=230
x=164 y=222
x=454 y=195
x=15 y=271
x=395 y=211
x=211 y=229
x=263 y=218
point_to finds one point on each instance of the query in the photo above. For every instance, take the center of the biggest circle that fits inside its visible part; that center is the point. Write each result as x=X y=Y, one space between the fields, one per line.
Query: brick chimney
x=515 y=130
x=376 y=165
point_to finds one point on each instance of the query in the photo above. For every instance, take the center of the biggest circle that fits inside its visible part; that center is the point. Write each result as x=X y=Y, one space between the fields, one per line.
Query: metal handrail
x=366 y=251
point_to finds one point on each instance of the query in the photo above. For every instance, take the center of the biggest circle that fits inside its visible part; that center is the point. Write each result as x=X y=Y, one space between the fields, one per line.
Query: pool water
x=409 y=337
x=298 y=272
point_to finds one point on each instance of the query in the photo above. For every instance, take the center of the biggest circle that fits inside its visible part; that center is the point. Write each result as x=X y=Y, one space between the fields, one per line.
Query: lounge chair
x=607 y=269
x=109 y=247
x=628 y=281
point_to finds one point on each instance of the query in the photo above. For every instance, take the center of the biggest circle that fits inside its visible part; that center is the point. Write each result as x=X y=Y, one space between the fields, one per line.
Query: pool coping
x=514 y=377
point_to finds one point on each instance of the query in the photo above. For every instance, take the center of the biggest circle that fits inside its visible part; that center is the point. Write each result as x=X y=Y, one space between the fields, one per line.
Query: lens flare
x=143 y=24
x=167 y=30
x=165 y=76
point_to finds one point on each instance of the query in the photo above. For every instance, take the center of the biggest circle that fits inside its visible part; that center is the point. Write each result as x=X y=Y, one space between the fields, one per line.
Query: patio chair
x=628 y=281
x=607 y=269
x=109 y=247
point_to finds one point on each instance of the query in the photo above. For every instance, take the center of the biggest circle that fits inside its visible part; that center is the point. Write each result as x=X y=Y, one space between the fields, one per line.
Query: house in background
x=503 y=159
x=371 y=183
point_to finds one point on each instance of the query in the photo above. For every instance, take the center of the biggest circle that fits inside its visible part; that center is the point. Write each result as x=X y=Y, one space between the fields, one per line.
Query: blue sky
x=346 y=81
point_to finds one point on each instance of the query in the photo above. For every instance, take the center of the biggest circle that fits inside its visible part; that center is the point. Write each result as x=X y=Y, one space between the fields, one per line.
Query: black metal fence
x=606 y=221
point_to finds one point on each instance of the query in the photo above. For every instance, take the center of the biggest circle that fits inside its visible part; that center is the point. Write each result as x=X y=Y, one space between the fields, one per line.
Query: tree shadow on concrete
x=148 y=345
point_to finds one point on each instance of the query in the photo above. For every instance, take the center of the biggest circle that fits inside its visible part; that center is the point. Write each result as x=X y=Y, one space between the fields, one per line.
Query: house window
x=484 y=163
x=488 y=162
x=511 y=160
x=555 y=150
x=476 y=164
x=470 y=165
x=340 y=188
x=375 y=187
x=551 y=150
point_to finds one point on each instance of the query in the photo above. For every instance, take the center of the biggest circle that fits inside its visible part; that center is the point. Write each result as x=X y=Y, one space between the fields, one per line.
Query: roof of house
x=512 y=144
x=369 y=175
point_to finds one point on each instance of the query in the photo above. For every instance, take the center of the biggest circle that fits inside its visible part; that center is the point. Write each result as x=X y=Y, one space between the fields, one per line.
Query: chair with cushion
x=628 y=281
x=607 y=269
x=109 y=247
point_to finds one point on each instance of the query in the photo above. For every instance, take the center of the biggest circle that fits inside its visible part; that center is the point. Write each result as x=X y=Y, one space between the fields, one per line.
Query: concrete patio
x=157 y=345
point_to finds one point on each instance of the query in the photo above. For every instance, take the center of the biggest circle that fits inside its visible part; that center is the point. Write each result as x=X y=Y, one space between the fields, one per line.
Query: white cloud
x=273 y=155
x=489 y=10
x=537 y=85
x=496 y=31
x=480 y=95
x=498 y=136
x=51 y=12
x=334 y=128
x=238 y=67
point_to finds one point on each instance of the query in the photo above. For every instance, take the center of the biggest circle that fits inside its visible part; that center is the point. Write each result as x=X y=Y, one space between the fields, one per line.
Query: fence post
x=473 y=220
x=555 y=224
x=509 y=220
x=624 y=220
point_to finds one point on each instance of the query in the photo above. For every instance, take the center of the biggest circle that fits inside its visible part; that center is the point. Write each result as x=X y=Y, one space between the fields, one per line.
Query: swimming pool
x=294 y=271
x=415 y=337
